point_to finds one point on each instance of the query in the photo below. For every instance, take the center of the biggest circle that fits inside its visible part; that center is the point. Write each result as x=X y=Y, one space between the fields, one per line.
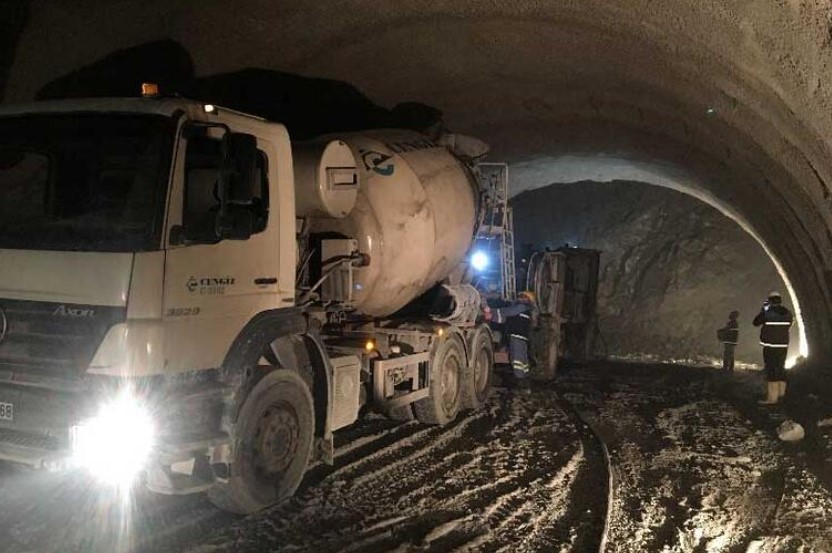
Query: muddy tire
x=272 y=444
x=477 y=382
x=448 y=368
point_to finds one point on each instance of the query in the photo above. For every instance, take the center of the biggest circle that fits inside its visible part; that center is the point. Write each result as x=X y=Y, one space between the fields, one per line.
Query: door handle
x=263 y=281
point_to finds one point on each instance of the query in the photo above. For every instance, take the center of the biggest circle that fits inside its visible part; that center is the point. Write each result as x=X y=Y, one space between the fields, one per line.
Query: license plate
x=6 y=411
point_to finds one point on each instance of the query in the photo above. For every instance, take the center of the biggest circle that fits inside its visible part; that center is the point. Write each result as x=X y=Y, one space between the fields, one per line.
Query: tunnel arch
x=536 y=174
x=734 y=93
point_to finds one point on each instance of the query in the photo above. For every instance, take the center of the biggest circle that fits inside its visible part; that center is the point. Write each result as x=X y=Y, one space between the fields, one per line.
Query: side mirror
x=235 y=219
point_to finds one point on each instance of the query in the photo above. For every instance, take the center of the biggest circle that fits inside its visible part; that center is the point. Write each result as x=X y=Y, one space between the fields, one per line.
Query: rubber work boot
x=524 y=387
x=772 y=394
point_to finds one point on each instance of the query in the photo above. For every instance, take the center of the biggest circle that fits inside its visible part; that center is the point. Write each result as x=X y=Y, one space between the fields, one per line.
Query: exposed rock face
x=671 y=269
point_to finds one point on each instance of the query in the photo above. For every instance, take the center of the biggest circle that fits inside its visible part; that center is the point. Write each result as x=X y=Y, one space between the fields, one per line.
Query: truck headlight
x=115 y=444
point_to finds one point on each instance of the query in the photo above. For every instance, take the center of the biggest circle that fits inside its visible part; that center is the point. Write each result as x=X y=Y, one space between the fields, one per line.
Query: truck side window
x=203 y=160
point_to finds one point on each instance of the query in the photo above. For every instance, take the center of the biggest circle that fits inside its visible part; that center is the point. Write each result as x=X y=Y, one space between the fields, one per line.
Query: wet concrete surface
x=695 y=466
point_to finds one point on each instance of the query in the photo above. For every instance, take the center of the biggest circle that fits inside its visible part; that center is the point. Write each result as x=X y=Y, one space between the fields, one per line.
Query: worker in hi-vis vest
x=775 y=321
x=518 y=320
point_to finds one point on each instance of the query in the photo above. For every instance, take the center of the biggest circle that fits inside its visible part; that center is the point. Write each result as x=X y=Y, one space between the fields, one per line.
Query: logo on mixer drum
x=377 y=162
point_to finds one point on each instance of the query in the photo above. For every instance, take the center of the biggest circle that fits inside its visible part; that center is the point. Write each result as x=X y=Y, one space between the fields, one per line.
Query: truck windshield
x=84 y=182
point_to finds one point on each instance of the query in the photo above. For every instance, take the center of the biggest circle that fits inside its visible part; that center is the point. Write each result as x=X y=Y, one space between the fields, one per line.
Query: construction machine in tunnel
x=247 y=293
x=252 y=295
x=562 y=282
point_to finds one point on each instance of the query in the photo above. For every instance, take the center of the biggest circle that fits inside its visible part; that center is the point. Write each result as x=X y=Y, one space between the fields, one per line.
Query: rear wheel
x=477 y=383
x=446 y=375
x=272 y=444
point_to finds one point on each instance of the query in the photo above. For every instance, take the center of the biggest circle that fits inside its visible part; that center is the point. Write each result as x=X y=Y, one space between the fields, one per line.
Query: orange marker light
x=150 y=90
x=370 y=345
x=441 y=332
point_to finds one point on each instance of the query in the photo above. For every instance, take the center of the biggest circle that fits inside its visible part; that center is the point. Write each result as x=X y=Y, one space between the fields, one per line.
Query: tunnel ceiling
x=733 y=94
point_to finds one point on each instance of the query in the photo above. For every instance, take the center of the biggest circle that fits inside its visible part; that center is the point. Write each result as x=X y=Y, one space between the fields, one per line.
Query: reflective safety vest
x=775 y=322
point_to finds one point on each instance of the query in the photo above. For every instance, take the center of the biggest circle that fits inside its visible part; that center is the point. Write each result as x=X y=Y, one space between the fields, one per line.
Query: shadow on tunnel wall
x=308 y=107
x=672 y=267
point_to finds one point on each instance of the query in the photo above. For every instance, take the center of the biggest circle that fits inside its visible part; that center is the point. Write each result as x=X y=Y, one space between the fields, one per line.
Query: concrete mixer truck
x=188 y=295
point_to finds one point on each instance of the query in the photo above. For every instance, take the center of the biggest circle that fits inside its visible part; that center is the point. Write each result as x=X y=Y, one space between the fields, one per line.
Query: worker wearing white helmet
x=775 y=321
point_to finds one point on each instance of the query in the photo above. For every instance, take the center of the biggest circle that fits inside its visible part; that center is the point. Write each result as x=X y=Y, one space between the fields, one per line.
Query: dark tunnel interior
x=670 y=267
x=686 y=140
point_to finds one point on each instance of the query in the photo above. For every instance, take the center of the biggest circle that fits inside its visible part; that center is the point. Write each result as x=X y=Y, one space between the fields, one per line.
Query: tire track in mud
x=502 y=476
x=524 y=474
x=178 y=529
x=394 y=467
x=506 y=502
x=491 y=480
x=514 y=476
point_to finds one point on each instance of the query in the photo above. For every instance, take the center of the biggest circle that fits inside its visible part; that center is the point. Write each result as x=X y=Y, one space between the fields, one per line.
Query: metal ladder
x=507 y=255
x=500 y=223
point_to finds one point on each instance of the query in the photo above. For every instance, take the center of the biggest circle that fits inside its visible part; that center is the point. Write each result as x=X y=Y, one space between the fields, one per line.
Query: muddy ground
x=696 y=466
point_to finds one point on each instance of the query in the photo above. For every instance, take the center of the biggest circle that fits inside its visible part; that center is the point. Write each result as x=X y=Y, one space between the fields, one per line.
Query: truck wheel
x=477 y=383
x=446 y=375
x=272 y=444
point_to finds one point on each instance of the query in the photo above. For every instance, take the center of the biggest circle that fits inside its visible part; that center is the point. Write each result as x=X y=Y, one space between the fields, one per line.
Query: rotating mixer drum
x=415 y=215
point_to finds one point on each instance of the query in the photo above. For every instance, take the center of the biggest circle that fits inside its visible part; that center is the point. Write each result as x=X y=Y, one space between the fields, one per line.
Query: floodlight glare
x=115 y=444
x=479 y=261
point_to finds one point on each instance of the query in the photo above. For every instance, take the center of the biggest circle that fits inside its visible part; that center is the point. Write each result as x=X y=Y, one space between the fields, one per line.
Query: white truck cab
x=114 y=243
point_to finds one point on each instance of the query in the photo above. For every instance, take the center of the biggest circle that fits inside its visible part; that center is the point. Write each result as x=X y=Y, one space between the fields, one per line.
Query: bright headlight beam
x=479 y=260
x=115 y=444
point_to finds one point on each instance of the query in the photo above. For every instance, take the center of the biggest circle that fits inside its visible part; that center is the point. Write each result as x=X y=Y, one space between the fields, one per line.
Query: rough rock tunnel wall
x=736 y=93
x=672 y=267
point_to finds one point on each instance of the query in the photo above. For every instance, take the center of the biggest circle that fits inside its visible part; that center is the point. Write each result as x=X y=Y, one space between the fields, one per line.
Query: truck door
x=212 y=287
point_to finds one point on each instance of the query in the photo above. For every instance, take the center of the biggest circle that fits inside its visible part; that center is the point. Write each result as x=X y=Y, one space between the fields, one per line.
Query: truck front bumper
x=40 y=452
x=171 y=432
